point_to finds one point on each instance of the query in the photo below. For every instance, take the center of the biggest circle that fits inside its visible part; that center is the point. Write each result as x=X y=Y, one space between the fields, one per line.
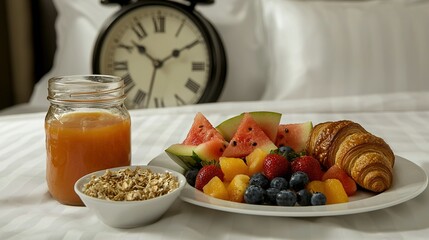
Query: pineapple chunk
x=216 y=188
x=231 y=167
x=255 y=161
x=237 y=187
x=316 y=186
x=334 y=192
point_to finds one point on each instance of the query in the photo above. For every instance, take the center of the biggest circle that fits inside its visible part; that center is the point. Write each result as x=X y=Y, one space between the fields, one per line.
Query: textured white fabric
x=285 y=49
x=28 y=212
x=399 y=115
x=238 y=22
x=76 y=30
x=340 y=48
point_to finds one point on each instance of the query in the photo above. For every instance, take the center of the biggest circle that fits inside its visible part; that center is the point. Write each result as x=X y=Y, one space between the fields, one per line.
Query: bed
x=304 y=49
x=320 y=61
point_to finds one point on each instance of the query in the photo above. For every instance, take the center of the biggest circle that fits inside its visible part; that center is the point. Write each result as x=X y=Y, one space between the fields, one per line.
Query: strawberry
x=309 y=165
x=275 y=165
x=205 y=174
x=338 y=173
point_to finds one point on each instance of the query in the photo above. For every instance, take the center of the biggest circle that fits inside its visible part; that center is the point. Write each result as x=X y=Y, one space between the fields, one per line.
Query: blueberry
x=280 y=183
x=191 y=175
x=304 y=197
x=271 y=196
x=298 y=180
x=285 y=150
x=286 y=198
x=254 y=194
x=318 y=198
x=288 y=153
x=259 y=179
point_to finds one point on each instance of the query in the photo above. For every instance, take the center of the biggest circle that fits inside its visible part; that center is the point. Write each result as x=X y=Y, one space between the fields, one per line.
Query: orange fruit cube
x=216 y=188
x=237 y=187
x=231 y=167
x=255 y=161
x=334 y=192
x=348 y=183
x=316 y=186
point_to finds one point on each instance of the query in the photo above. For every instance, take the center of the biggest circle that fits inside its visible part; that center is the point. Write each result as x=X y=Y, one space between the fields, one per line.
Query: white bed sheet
x=304 y=49
x=28 y=212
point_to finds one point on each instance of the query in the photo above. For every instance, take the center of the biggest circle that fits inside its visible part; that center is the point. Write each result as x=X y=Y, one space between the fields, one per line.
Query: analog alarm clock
x=167 y=53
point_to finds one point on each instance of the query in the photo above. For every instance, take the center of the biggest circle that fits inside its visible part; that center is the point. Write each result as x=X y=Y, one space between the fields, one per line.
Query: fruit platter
x=253 y=164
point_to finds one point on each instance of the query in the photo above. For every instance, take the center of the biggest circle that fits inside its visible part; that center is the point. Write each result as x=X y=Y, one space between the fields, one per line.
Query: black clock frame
x=217 y=54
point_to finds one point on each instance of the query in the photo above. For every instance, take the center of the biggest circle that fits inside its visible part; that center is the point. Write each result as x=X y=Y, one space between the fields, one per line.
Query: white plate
x=409 y=180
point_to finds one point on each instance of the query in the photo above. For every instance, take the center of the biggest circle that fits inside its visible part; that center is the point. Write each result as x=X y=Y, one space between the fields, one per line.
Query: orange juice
x=79 y=143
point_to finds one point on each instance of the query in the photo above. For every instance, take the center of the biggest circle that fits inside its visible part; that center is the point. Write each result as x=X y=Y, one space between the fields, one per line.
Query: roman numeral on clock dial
x=179 y=100
x=139 y=98
x=120 y=66
x=180 y=28
x=126 y=47
x=198 y=66
x=159 y=24
x=192 y=85
x=159 y=102
x=128 y=82
x=139 y=30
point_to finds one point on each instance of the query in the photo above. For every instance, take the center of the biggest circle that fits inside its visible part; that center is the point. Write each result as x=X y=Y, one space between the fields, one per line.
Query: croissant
x=368 y=159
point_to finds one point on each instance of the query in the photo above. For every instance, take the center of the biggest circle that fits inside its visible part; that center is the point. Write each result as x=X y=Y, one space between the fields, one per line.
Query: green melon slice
x=183 y=155
x=267 y=121
x=189 y=156
x=201 y=131
x=294 y=135
x=248 y=137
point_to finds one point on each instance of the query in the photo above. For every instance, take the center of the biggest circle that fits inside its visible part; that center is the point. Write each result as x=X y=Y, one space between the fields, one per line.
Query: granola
x=130 y=185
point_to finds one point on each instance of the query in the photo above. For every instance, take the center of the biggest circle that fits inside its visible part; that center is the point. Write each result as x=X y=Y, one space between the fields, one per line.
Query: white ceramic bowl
x=130 y=214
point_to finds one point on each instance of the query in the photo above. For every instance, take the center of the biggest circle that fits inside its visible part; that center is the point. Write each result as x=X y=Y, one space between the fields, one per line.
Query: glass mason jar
x=88 y=128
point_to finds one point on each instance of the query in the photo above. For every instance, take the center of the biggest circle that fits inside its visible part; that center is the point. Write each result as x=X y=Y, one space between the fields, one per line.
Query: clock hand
x=142 y=50
x=156 y=64
x=189 y=46
x=176 y=52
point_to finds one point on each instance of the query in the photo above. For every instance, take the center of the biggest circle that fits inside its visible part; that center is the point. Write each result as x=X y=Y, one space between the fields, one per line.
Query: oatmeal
x=130 y=185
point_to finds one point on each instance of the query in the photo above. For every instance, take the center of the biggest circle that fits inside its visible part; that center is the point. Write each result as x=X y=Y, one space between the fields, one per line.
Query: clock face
x=161 y=53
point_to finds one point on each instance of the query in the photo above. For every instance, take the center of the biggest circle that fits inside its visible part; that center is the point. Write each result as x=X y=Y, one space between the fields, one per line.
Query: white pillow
x=238 y=22
x=342 y=48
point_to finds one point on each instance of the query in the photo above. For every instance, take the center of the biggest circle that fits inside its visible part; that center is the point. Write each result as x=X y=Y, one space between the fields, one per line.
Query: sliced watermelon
x=267 y=121
x=201 y=131
x=189 y=156
x=202 y=144
x=294 y=135
x=184 y=155
x=248 y=137
x=211 y=150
